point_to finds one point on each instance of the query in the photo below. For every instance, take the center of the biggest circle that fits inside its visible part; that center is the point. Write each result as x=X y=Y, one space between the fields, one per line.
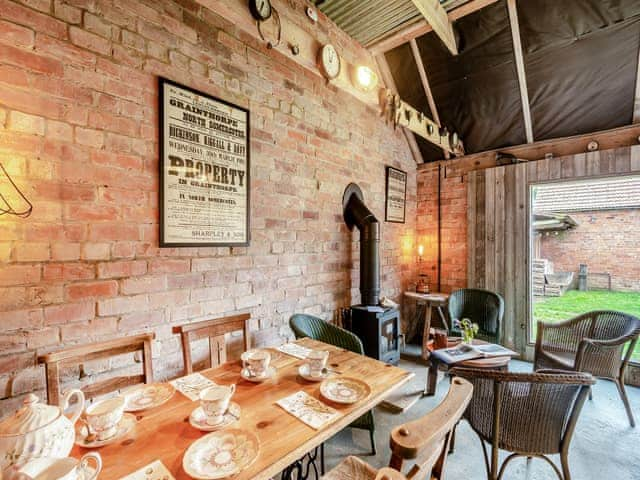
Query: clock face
x=330 y=61
x=260 y=9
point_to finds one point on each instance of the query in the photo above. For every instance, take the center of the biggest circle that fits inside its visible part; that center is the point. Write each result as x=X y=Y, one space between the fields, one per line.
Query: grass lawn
x=573 y=303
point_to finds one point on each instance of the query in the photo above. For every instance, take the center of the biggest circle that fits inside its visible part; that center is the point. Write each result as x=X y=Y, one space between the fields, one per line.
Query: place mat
x=191 y=385
x=294 y=350
x=308 y=409
x=154 y=471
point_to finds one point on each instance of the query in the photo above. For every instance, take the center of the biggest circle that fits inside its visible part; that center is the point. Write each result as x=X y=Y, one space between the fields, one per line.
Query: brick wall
x=606 y=241
x=453 y=199
x=78 y=131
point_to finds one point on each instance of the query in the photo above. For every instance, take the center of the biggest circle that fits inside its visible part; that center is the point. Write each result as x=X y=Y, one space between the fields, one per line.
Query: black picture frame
x=164 y=242
x=396 y=180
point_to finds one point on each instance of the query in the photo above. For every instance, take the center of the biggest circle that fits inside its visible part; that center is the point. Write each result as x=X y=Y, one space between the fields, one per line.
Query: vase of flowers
x=469 y=330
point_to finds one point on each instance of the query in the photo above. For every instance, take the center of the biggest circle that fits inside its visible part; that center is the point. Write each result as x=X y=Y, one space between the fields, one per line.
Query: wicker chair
x=593 y=343
x=528 y=414
x=309 y=326
x=483 y=307
x=424 y=441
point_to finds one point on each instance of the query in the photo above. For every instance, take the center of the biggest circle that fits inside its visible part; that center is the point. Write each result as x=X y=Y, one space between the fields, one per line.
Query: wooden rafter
x=388 y=80
x=558 y=147
x=425 y=85
x=419 y=28
x=522 y=78
x=636 y=101
x=436 y=16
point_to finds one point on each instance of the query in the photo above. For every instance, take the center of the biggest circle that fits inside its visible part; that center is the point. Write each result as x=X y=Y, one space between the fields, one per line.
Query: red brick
x=68 y=271
x=81 y=291
x=16 y=361
x=11 y=11
x=16 y=35
x=68 y=313
x=122 y=269
x=31 y=61
x=32 y=252
x=70 y=54
x=89 y=41
x=66 y=12
x=119 y=305
x=167 y=265
x=25 y=123
x=131 y=286
x=19 y=275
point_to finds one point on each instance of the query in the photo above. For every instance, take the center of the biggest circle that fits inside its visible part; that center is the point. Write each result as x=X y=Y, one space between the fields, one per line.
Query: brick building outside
x=607 y=214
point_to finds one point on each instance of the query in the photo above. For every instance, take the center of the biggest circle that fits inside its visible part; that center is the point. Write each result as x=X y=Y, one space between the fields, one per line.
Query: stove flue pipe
x=357 y=214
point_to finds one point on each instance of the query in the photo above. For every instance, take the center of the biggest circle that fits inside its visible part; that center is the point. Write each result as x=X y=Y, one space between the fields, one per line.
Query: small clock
x=260 y=9
x=329 y=61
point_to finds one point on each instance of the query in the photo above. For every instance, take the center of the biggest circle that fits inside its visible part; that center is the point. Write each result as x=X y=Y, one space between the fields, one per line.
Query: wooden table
x=430 y=301
x=493 y=363
x=164 y=433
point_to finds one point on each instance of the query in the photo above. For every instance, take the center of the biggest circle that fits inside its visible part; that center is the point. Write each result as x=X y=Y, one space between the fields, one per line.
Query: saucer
x=125 y=425
x=270 y=373
x=344 y=390
x=198 y=419
x=143 y=397
x=305 y=373
x=221 y=454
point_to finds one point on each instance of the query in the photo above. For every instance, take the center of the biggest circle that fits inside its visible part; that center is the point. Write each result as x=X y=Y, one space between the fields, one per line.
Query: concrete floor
x=604 y=446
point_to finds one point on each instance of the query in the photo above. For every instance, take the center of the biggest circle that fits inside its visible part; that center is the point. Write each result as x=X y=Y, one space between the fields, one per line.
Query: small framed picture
x=396 y=195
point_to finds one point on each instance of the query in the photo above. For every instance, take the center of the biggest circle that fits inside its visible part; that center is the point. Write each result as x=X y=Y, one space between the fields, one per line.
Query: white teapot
x=39 y=430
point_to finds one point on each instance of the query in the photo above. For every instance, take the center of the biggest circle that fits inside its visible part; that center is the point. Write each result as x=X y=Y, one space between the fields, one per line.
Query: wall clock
x=260 y=9
x=329 y=61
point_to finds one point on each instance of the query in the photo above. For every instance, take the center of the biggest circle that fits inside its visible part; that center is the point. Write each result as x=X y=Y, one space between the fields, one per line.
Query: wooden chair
x=84 y=353
x=426 y=441
x=215 y=331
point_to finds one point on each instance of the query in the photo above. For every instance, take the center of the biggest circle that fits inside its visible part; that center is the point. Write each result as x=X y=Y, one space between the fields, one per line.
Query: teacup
x=257 y=362
x=67 y=468
x=103 y=417
x=215 y=402
x=317 y=361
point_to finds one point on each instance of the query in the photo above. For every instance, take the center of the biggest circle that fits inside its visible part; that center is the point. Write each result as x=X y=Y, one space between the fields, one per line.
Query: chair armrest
x=387 y=473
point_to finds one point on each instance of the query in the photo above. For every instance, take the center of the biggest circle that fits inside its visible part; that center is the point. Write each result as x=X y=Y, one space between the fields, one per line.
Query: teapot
x=39 y=430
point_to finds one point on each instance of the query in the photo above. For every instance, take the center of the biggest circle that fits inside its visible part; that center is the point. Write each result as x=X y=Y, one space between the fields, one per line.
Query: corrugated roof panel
x=585 y=196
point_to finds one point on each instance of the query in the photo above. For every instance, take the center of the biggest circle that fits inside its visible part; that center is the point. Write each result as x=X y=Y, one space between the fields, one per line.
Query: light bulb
x=420 y=250
x=366 y=79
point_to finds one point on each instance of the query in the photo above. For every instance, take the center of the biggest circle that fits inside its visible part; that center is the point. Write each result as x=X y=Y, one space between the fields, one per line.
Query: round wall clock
x=330 y=61
x=260 y=9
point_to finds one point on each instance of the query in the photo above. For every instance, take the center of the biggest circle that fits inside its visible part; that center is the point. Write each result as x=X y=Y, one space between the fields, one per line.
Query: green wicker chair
x=309 y=326
x=593 y=342
x=483 y=307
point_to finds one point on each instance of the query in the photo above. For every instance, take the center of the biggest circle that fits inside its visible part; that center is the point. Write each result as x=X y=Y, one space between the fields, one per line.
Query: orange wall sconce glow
x=364 y=78
x=420 y=250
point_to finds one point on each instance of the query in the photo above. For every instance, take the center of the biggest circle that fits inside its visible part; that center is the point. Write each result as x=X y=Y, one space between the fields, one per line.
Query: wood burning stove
x=377 y=327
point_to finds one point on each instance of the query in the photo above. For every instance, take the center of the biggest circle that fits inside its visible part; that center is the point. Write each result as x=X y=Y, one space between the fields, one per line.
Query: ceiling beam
x=387 y=78
x=419 y=28
x=436 y=16
x=557 y=147
x=425 y=85
x=522 y=78
x=636 y=101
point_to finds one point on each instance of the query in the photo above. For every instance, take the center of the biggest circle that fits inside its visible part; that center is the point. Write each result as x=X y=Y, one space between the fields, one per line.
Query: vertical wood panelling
x=499 y=224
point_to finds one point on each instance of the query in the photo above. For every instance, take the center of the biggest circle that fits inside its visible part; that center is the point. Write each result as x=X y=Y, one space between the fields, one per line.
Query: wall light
x=364 y=78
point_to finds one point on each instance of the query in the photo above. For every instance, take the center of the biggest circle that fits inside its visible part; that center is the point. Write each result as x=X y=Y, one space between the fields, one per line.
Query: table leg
x=443 y=318
x=426 y=330
x=432 y=378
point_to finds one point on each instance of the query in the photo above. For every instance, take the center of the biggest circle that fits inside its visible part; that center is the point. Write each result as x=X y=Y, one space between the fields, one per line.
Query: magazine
x=464 y=352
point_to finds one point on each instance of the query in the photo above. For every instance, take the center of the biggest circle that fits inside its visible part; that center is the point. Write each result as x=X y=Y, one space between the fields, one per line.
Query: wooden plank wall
x=498 y=224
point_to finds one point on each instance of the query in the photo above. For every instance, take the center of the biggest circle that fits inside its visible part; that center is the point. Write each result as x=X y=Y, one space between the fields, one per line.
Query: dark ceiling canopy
x=581 y=63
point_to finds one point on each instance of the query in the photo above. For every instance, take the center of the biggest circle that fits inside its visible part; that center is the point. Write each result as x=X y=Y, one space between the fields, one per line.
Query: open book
x=464 y=352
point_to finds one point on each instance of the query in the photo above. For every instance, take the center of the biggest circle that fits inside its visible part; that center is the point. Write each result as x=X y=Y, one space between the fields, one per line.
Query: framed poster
x=396 y=195
x=204 y=169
